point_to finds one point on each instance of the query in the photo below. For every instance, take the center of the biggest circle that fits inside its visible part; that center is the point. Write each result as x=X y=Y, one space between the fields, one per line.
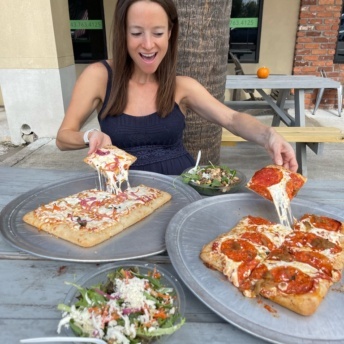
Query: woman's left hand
x=281 y=152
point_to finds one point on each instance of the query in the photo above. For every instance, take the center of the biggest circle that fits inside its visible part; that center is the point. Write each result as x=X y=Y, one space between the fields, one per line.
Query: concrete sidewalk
x=247 y=157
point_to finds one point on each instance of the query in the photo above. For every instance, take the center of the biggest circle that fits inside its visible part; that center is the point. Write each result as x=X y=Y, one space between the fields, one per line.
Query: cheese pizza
x=292 y=267
x=93 y=216
x=113 y=163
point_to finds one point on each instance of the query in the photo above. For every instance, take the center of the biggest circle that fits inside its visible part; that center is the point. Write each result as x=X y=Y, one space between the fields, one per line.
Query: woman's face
x=147 y=35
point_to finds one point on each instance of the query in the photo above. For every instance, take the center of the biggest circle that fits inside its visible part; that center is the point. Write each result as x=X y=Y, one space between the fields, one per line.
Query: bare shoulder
x=186 y=87
x=95 y=71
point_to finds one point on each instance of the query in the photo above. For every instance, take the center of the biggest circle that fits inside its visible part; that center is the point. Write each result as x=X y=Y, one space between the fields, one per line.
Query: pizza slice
x=113 y=163
x=299 y=273
x=280 y=186
x=237 y=252
x=288 y=282
x=324 y=235
x=93 y=216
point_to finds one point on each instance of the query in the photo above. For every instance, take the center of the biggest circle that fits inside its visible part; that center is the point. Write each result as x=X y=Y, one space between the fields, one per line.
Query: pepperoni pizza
x=292 y=267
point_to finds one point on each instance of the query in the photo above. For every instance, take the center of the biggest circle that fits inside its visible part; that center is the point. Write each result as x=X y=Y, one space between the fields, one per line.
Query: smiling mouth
x=148 y=57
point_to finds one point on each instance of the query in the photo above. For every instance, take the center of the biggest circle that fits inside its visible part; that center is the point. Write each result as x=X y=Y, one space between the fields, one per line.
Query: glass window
x=339 y=56
x=87 y=28
x=245 y=27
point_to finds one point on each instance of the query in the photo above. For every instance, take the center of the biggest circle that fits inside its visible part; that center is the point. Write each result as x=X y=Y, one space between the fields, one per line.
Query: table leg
x=300 y=120
x=280 y=112
x=301 y=157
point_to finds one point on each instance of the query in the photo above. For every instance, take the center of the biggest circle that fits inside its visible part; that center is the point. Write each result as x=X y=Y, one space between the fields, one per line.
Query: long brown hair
x=123 y=64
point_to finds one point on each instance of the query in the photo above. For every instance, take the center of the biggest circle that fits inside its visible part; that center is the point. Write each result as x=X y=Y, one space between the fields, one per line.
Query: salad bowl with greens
x=212 y=180
x=124 y=303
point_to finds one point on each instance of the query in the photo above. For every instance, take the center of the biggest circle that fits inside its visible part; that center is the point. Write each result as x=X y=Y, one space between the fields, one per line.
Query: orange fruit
x=263 y=72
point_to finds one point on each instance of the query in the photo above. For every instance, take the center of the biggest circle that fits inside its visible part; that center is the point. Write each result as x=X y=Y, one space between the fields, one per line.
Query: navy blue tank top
x=156 y=142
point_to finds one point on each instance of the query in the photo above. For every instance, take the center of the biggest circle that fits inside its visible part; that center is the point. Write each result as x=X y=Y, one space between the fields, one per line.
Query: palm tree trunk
x=203 y=54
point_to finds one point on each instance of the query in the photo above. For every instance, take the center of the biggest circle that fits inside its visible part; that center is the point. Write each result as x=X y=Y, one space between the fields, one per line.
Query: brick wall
x=316 y=45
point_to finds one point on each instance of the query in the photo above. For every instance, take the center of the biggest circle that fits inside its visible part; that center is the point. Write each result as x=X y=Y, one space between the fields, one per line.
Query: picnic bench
x=313 y=137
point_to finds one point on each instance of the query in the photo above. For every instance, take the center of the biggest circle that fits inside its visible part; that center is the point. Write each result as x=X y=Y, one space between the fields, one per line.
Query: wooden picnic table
x=300 y=84
x=31 y=286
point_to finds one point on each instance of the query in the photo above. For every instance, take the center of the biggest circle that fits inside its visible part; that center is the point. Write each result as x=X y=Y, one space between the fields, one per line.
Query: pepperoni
x=291 y=280
x=238 y=250
x=323 y=222
x=294 y=185
x=259 y=239
x=264 y=178
x=315 y=259
x=244 y=270
x=303 y=239
x=255 y=220
x=99 y=152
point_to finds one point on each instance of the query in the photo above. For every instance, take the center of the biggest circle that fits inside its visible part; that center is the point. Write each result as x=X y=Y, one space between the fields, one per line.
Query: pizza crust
x=304 y=304
x=87 y=238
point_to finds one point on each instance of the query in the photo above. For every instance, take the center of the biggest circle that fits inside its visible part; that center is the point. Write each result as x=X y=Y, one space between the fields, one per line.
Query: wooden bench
x=313 y=137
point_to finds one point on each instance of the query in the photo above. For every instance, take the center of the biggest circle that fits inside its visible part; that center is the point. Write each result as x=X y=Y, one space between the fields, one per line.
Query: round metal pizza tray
x=202 y=221
x=145 y=238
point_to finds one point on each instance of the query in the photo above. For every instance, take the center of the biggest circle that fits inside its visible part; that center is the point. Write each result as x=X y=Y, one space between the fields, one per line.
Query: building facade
x=45 y=44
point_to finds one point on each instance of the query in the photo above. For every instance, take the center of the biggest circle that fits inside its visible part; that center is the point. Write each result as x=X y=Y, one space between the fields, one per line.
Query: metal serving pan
x=143 y=239
x=202 y=221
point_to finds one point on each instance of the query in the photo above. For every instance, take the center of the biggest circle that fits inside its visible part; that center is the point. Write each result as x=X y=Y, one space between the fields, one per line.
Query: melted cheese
x=307 y=269
x=281 y=200
x=94 y=209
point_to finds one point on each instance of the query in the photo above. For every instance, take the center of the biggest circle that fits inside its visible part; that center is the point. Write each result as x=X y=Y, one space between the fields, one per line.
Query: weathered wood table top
x=31 y=287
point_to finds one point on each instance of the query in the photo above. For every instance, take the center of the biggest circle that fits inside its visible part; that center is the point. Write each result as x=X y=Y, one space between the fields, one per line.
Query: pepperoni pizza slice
x=237 y=252
x=288 y=282
x=278 y=185
x=113 y=163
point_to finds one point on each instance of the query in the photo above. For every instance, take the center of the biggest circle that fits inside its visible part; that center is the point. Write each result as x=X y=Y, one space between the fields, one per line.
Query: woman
x=141 y=102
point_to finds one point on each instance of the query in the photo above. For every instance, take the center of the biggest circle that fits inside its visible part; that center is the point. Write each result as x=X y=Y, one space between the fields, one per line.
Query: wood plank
x=256 y=105
x=297 y=134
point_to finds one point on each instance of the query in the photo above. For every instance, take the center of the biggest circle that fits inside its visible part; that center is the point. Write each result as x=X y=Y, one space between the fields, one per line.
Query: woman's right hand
x=97 y=139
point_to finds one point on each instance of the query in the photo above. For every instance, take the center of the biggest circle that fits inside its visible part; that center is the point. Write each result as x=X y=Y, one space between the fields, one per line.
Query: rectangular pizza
x=93 y=216
x=292 y=267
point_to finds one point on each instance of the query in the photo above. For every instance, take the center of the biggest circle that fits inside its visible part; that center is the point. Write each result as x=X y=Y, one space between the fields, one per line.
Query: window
x=87 y=30
x=339 y=56
x=245 y=28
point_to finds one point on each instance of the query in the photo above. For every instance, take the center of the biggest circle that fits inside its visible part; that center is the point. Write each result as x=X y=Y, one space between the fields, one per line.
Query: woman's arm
x=87 y=96
x=193 y=95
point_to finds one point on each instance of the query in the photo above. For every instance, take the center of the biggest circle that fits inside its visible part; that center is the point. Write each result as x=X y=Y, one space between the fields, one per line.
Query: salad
x=211 y=176
x=129 y=308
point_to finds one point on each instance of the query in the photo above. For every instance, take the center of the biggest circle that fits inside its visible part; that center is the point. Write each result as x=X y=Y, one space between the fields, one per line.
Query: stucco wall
x=279 y=27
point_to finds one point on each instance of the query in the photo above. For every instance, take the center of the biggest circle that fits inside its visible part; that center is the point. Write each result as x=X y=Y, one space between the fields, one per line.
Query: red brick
x=311 y=45
x=310 y=58
x=326 y=2
x=312 y=33
x=309 y=2
x=306 y=39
